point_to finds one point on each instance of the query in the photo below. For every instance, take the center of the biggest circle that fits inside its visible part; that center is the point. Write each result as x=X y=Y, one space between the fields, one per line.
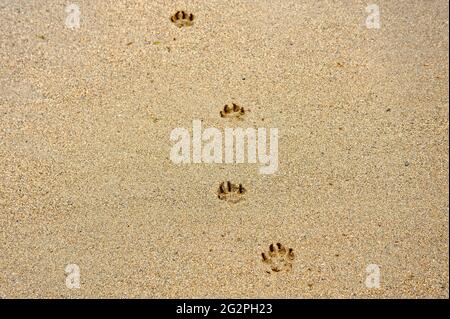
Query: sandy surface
x=86 y=179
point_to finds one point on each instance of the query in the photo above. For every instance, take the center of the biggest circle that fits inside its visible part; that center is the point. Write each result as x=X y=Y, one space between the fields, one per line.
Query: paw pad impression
x=182 y=19
x=278 y=258
x=231 y=192
x=232 y=110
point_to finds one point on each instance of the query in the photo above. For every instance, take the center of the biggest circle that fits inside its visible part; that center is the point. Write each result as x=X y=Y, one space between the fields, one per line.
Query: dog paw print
x=278 y=258
x=182 y=19
x=232 y=111
x=231 y=192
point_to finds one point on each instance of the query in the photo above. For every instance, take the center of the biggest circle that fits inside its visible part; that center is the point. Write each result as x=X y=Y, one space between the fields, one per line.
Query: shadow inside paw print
x=233 y=111
x=278 y=258
x=182 y=19
x=231 y=192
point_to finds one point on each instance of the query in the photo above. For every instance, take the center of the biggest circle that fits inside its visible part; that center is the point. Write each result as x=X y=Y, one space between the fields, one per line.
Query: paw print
x=231 y=192
x=278 y=258
x=232 y=111
x=182 y=19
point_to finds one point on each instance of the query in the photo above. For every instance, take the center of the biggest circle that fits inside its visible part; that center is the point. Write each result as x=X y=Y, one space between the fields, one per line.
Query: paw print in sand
x=182 y=19
x=232 y=111
x=278 y=258
x=231 y=192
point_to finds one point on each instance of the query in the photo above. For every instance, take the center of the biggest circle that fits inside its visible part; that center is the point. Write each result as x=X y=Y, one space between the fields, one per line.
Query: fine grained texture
x=86 y=178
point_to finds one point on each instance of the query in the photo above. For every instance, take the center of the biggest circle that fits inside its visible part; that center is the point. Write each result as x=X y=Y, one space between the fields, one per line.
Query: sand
x=86 y=179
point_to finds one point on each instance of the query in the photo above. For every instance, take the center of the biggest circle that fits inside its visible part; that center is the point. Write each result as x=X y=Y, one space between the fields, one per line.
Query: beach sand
x=86 y=178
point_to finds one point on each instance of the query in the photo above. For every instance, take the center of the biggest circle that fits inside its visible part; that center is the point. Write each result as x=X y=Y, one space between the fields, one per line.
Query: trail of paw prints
x=232 y=111
x=278 y=258
x=230 y=192
x=182 y=19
